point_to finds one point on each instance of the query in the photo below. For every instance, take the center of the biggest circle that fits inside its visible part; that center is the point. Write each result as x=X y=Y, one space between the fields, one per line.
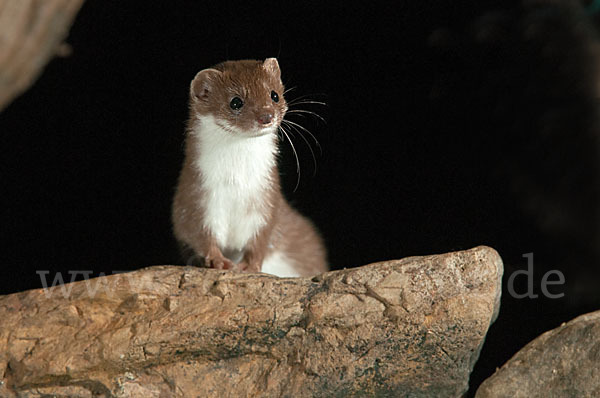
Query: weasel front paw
x=246 y=267
x=220 y=263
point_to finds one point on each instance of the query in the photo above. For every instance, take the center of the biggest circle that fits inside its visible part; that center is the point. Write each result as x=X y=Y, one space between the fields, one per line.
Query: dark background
x=449 y=125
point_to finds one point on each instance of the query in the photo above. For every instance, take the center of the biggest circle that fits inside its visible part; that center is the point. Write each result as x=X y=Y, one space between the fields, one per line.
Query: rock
x=563 y=362
x=31 y=33
x=411 y=327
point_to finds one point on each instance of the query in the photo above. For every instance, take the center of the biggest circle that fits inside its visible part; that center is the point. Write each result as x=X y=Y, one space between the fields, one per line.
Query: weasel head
x=244 y=97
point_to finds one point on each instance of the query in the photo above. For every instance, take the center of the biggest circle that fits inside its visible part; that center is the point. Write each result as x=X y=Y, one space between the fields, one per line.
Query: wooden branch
x=31 y=33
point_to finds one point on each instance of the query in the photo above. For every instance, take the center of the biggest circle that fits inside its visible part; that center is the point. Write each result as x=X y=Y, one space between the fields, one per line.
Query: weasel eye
x=274 y=96
x=236 y=103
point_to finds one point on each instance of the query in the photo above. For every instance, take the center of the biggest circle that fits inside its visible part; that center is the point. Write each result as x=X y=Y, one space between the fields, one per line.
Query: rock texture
x=564 y=362
x=411 y=327
x=31 y=32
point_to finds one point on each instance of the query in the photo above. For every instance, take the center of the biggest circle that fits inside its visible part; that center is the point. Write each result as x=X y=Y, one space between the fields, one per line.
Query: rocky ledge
x=411 y=327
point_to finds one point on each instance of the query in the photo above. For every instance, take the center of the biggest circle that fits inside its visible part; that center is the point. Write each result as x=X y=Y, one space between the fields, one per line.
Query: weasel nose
x=265 y=118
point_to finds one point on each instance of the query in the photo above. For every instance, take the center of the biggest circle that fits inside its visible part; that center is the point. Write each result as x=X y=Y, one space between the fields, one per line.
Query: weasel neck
x=229 y=157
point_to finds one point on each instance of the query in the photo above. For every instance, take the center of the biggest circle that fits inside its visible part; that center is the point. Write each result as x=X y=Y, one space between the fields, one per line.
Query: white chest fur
x=235 y=172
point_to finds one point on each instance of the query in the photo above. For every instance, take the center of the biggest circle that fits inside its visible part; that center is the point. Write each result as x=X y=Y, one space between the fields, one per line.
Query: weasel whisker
x=289 y=89
x=301 y=112
x=295 y=154
x=293 y=126
x=301 y=102
x=305 y=96
x=307 y=131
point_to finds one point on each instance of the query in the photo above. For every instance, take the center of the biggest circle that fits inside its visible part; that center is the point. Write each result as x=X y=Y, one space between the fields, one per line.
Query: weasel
x=228 y=210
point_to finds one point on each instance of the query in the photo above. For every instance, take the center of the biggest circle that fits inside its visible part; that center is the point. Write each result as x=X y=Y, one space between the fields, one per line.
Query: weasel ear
x=203 y=84
x=272 y=66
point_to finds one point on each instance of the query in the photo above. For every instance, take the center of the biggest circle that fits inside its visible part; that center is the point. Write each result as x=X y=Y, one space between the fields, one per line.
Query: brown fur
x=286 y=230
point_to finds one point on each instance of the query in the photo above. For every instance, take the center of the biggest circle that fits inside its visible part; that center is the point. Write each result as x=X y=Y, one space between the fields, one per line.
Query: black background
x=449 y=125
